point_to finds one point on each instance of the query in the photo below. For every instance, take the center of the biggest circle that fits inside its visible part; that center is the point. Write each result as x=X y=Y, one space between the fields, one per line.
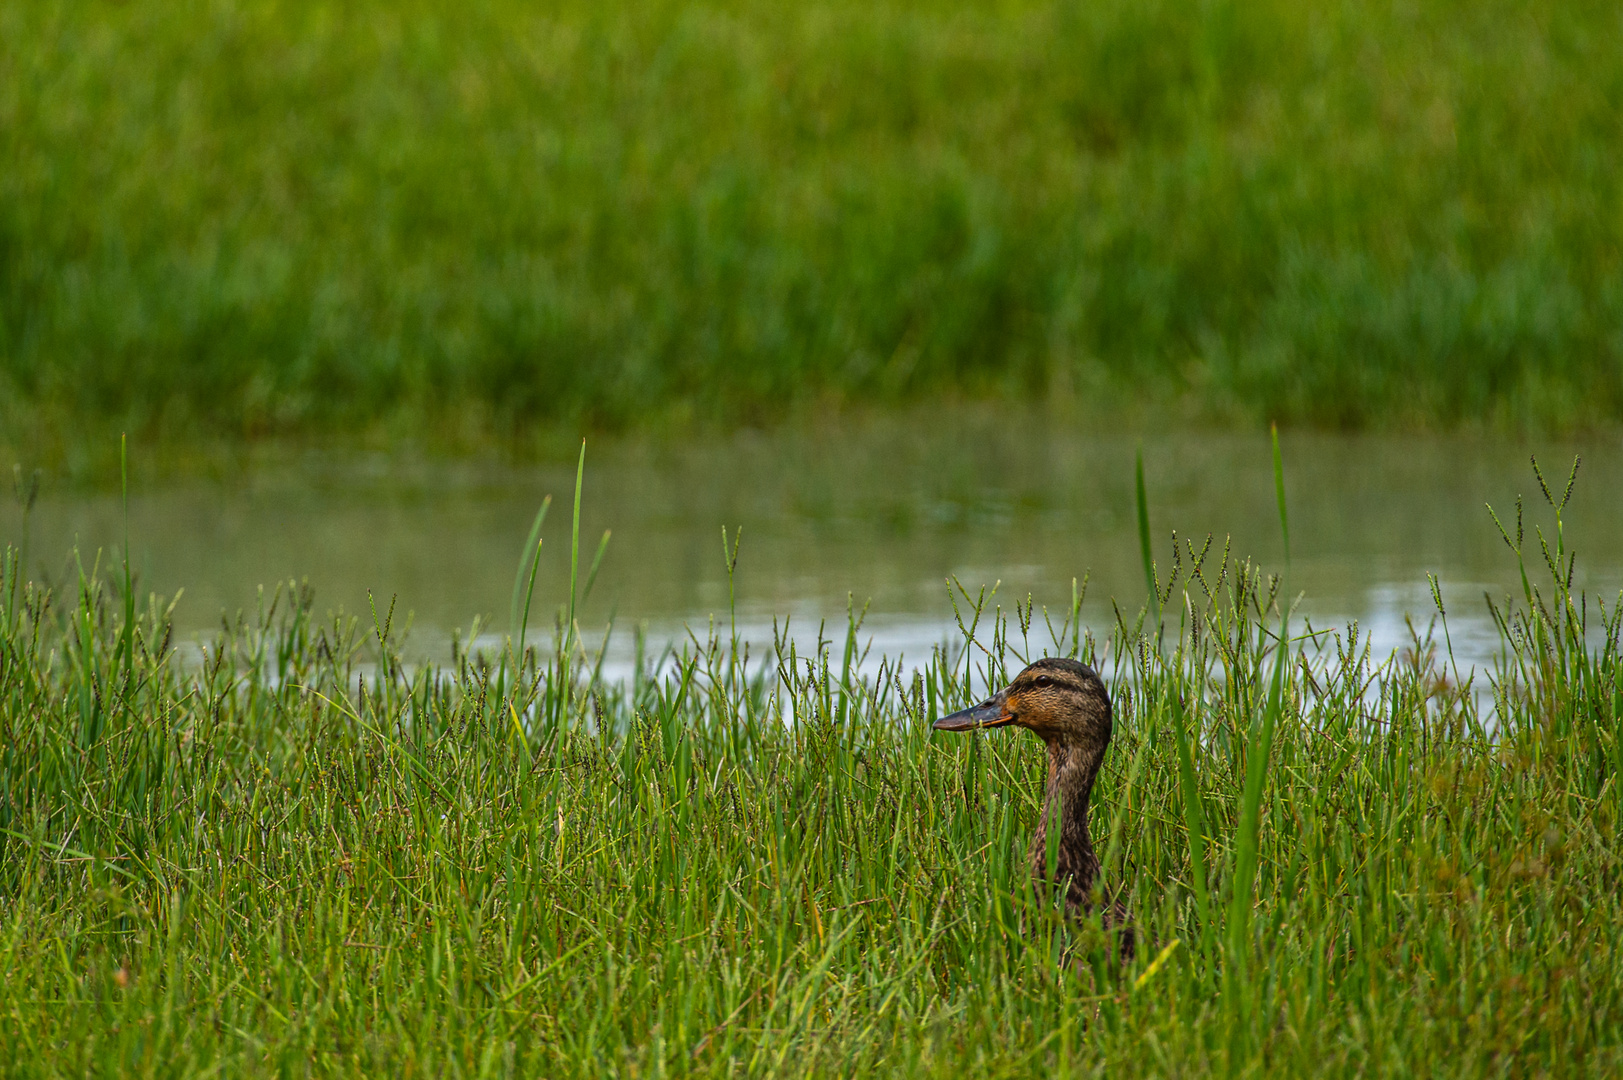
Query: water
x=880 y=512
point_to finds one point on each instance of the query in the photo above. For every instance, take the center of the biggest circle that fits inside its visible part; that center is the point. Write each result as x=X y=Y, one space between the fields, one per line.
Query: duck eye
x=1044 y=681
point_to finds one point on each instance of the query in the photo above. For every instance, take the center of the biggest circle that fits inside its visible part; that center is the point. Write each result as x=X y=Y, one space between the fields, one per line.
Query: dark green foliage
x=239 y=217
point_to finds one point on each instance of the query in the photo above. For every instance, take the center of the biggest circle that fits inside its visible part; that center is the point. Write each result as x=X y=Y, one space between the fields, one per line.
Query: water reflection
x=882 y=512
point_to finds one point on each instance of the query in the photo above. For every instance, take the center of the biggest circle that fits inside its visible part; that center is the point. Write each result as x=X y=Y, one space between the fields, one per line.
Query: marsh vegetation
x=230 y=218
x=305 y=855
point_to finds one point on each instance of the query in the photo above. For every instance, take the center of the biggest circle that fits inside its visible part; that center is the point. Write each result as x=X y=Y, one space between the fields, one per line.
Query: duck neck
x=1072 y=769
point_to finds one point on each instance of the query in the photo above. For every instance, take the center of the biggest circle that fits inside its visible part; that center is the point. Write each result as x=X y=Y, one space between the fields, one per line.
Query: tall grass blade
x=567 y=644
x=597 y=564
x=1144 y=533
x=1279 y=494
x=126 y=638
x=524 y=580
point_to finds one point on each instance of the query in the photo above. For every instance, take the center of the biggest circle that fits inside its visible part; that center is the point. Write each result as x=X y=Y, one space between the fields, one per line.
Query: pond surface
x=881 y=511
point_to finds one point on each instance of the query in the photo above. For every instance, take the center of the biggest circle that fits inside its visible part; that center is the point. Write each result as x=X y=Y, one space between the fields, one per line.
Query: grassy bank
x=240 y=217
x=294 y=853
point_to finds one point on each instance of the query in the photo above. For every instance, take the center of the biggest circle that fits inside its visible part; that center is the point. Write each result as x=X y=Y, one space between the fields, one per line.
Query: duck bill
x=986 y=714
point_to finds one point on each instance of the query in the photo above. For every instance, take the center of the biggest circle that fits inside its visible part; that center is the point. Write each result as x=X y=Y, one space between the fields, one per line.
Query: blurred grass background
x=247 y=217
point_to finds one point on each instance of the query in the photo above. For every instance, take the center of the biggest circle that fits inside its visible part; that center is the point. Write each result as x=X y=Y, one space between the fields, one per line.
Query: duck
x=1063 y=702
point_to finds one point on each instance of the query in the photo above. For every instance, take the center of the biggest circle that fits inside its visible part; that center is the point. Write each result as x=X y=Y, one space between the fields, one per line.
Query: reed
x=231 y=218
x=296 y=851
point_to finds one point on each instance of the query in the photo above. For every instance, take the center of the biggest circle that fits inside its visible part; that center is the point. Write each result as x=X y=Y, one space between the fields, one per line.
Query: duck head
x=1062 y=701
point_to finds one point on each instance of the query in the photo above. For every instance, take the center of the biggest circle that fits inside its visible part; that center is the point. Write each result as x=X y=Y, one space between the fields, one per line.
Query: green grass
x=260 y=216
x=299 y=854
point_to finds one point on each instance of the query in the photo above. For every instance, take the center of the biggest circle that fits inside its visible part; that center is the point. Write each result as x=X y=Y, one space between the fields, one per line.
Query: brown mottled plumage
x=1065 y=703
